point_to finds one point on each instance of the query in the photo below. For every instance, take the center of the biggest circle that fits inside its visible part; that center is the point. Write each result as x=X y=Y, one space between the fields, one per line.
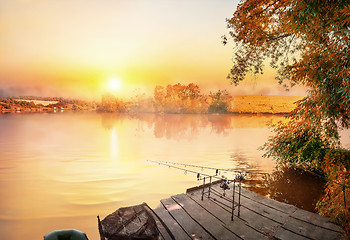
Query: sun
x=114 y=84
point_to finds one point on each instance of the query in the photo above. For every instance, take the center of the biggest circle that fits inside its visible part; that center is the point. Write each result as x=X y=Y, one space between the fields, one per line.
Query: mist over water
x=62 y=170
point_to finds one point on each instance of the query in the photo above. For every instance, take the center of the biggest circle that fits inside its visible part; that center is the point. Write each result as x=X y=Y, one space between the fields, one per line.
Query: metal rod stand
x=209 y=187
x=239 y=199
x=233 y=200
x=203 y=187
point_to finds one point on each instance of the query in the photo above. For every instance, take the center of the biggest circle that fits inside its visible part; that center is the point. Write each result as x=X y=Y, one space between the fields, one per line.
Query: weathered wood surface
x=134 y=222
x=186 y=216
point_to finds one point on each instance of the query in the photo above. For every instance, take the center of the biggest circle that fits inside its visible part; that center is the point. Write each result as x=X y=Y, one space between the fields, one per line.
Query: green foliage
x=300 y=143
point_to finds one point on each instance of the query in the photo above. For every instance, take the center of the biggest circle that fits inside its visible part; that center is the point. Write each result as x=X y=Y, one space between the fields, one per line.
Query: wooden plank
x=283 y=207
x=209 y=222
x=237 y=226
x=170 y=222
x=284 y=234
x=306 y=224
x=160 y=225
x=316 y=219
x=218 y=211
x=261 y=209
x=261 y=200
x=254 y=219
x=310 y=231
x=187 y=216
x=257 y=221
x=191 y=227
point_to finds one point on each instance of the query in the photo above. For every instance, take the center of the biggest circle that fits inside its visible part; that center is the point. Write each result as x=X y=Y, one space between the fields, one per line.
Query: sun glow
x=114 y=84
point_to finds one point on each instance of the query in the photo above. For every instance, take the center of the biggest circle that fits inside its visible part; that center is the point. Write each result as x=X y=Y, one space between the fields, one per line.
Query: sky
x=77 y=48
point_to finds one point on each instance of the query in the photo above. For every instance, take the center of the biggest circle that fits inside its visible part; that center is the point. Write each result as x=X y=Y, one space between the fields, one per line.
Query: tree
x=178 y=98
x=219 y=102
x=110 y=103
x=308 y=42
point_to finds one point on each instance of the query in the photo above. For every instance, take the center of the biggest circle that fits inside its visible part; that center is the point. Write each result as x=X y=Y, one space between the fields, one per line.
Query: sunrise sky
x=83 y=48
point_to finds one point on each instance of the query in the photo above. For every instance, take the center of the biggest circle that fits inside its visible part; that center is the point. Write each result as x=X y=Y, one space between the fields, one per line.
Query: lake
x=61 y=170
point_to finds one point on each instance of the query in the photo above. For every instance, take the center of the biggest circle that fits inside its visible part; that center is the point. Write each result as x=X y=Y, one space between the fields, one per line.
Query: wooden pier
x=187 y=216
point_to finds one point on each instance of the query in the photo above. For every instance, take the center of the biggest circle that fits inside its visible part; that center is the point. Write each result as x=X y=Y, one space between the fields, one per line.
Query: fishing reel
x=224 y=185
x=240 y=177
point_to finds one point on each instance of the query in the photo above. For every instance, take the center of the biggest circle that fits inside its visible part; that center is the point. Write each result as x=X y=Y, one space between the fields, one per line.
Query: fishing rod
x=187 y=170
x=204 y=167
x=240 y=176
x=224 y=184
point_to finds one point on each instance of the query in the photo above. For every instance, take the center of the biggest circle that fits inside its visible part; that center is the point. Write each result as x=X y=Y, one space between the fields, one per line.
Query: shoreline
x=239 y=104
x=158 y=113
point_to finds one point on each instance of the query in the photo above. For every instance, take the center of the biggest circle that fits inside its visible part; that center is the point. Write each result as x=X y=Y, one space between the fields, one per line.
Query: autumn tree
x=307 y=41
x=110 y=103
x=178 y=98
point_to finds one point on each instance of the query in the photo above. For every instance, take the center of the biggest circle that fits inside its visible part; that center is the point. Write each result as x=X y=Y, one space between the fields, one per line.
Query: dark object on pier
x=66 y=234
x=129 y=223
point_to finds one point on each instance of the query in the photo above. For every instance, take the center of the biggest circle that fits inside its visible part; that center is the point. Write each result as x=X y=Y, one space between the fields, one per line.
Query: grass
x=263 y=104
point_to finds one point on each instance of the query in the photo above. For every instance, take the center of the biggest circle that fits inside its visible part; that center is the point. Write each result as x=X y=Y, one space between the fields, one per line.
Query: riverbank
x=239 y=104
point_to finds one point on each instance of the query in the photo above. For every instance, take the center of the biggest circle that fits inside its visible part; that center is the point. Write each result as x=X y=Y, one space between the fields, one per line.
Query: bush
x=297 y=143
x=219 y=104
x=336 y=201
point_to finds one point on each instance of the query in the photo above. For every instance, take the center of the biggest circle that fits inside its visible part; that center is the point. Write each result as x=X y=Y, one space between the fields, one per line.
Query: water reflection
x=287 y=184
x=114 y=144
x=295 y=186
x=189 y=126
x=242 y=164
x=61 y=170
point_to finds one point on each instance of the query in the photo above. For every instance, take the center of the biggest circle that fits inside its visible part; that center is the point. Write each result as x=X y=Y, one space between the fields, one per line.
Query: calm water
x=62 y=170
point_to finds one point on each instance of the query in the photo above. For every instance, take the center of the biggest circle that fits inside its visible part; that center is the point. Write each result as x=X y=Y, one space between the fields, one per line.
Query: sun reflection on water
x=114 y=144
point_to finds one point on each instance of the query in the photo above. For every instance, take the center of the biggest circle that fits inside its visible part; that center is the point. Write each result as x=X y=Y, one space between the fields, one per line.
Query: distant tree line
x=177 y=98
